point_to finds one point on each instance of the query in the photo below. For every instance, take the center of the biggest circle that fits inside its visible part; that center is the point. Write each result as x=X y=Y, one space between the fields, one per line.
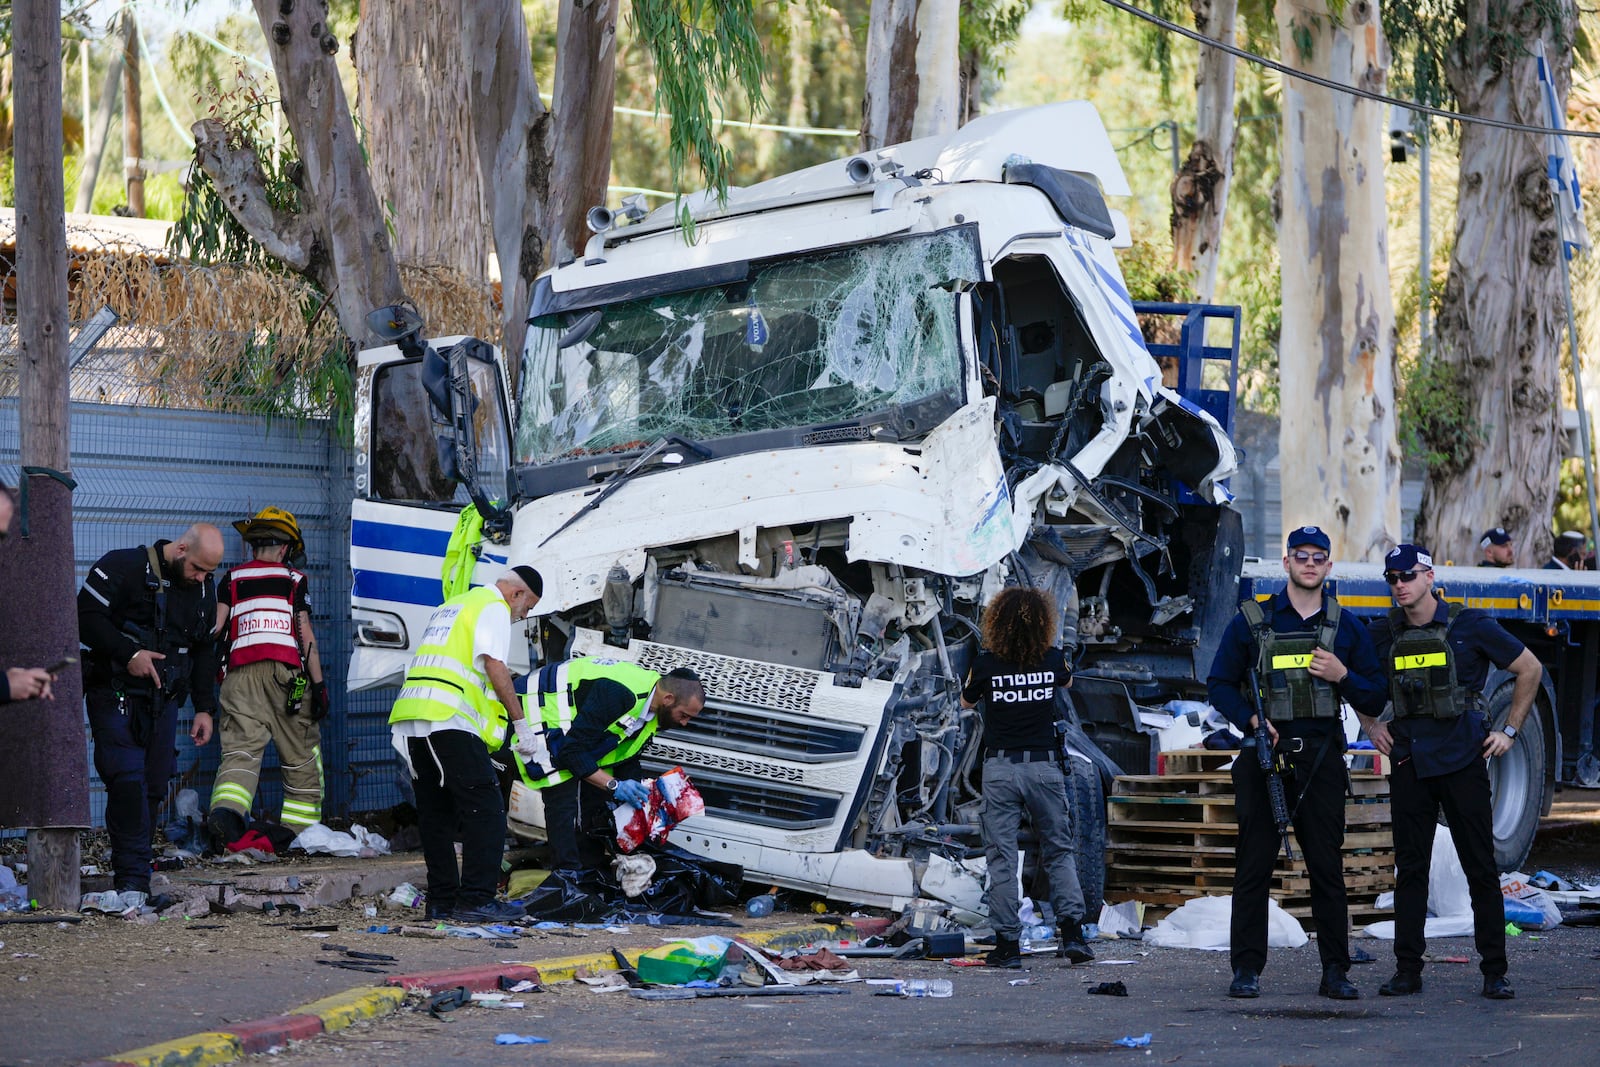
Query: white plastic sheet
x=360 y=841
x=1203 y=923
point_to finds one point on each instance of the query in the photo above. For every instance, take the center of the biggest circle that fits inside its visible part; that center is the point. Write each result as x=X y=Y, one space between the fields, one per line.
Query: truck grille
x=736 y=681
x=764 y=733
x=762 y=803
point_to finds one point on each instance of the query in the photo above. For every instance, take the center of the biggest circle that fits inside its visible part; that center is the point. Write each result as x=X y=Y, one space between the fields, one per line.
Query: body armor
x=1288 y=689
x=1422 y=670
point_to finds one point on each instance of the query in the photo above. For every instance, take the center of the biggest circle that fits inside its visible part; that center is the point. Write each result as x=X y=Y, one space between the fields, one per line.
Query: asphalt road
x=1178 y=997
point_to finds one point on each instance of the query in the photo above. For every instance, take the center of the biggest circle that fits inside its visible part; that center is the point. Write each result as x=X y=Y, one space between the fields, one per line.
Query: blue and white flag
x=1560 y=166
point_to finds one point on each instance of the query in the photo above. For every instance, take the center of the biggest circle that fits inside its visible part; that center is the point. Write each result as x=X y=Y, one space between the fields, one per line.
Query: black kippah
x=531 y=578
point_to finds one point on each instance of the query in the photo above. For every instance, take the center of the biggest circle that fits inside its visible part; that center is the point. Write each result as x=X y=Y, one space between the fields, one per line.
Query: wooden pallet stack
x=1171 y=837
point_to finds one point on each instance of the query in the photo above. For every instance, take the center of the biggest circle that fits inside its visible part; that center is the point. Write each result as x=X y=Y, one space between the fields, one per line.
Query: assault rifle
x=1269 y=766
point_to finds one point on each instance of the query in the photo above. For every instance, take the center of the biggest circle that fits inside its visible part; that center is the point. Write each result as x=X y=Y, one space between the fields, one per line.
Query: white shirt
x=491 y=639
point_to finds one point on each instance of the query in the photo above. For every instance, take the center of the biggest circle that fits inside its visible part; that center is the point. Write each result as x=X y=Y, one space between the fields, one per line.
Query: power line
x=1340 y=87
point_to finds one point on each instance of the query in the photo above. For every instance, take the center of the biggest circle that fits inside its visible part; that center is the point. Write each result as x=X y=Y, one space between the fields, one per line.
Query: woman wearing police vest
x=1437 y=657
x=1015 y=678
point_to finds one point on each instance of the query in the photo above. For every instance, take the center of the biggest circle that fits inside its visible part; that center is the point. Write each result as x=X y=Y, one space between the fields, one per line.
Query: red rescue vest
x=261 y=617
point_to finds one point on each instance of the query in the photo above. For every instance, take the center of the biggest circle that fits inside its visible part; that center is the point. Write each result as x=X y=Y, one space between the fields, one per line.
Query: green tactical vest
x=1288 y=690
x=1422 y=669
x=443 y=680
x=554 y=704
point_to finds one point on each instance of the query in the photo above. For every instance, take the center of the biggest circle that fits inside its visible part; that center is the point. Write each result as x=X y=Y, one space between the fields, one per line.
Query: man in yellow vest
x=451 y=713
x=597 y=715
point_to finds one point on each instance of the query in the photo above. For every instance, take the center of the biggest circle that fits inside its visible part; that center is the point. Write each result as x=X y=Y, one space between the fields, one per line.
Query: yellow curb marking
x=196 y=1050
x=342 y=1009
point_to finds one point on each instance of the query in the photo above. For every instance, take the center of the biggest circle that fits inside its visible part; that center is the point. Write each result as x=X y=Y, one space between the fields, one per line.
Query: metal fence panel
x=146 y=473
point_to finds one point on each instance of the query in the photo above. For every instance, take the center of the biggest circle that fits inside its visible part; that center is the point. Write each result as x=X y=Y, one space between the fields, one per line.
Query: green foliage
x=989 y=28
x=206 y=231
x=1572 y=499
x=1259 y=295
x=1148 y=271
x=1423 y=34
x=701 y=49
x=1435 y=415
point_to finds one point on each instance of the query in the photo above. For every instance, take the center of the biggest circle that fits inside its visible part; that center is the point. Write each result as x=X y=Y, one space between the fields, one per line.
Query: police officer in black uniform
x=1437 y=657
x=145 y=618
x=1305 y=656
x=1497 y=549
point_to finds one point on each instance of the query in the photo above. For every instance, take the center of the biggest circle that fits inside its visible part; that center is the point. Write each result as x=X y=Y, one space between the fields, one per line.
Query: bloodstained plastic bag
x=672 y=799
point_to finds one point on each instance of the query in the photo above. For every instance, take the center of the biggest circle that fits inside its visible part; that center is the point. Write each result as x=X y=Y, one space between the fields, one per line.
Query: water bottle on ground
x=929 y=987
x=761 y=906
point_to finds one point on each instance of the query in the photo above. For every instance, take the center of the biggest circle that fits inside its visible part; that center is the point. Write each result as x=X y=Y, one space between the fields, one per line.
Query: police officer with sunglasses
x=1437 y=658
x=1299 y=656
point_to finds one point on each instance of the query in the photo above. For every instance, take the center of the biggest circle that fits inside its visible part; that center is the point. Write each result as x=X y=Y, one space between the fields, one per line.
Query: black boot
x=1072 y=945
x=224 y=826
x=1335 y=986
x=1007 y=953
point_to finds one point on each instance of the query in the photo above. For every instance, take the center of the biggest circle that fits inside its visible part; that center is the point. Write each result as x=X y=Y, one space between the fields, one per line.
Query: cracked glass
x=807 y=341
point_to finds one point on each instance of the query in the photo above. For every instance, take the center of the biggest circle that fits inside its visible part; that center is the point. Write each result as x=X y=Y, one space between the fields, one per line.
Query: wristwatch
x=1509 y=730
x=611 y=786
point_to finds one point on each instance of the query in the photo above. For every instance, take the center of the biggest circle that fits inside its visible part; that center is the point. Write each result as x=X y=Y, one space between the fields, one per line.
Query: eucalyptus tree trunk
x=415 y=105
x=338 y=240
x=1336 y=353
x=1495 y=430
x=585 y=86
x=511 y=126
x=1200 y=189
x=913 y=77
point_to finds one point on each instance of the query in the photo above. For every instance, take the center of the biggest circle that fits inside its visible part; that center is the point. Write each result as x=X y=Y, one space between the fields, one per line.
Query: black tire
x=1087 y=797
x=1518 y=782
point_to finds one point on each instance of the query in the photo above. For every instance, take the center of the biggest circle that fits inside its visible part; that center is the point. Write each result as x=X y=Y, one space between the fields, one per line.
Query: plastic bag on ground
x=12 y=895
x=689 y=960
x=1526 y=905
x=1122 y=920
x=1447 y=882
x=1435 y=926
x=1203 y=923
x=360 y=841
x=683 y=882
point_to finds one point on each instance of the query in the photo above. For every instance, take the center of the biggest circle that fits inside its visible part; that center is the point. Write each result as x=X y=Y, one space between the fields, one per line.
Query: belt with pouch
x=1025 y=755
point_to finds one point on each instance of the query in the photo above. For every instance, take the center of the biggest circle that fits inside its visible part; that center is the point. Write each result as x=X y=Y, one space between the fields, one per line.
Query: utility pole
x=97 y=133
x=44 y=779
x=132 y=121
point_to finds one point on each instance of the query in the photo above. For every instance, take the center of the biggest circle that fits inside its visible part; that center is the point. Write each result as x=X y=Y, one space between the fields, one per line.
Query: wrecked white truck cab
x=799 y=453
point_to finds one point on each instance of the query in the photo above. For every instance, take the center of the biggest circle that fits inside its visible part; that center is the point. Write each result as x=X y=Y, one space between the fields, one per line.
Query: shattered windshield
x=805 y=341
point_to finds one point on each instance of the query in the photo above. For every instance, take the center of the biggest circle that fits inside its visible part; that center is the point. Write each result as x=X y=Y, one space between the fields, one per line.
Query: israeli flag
x=1558 y=161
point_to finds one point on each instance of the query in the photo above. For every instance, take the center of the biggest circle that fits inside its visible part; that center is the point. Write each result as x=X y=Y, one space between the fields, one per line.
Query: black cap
x=1496 y=536
x=531 y=578
x=1309 y=535
x=1407 y=558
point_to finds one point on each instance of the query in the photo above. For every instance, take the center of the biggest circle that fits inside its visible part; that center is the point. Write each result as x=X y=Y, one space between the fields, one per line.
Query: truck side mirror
x=436 y=381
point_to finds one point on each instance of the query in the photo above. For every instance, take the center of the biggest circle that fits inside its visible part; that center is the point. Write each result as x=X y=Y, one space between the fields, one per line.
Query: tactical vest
x=1288 y=689
x=261 y=622
x=556 y=694
x=1422 y=669
x=444 y=680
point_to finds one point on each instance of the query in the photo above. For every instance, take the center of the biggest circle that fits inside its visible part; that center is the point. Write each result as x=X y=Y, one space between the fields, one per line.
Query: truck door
x=406 y=504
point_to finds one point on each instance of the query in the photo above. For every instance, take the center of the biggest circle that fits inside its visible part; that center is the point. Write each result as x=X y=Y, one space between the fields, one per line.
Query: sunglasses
x=1318 y=558
x=1399 y=577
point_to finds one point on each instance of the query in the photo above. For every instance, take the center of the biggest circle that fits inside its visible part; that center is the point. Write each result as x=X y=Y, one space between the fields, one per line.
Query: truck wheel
x=1517 y=781
x=1089 y=830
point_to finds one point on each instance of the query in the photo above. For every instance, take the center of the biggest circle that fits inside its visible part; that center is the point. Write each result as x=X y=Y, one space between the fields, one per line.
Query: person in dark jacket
x=1497 y=548
x=1305 y=657
x=1567 y=552
x=145 y=618
x=1015 y=678
x=1437 y=657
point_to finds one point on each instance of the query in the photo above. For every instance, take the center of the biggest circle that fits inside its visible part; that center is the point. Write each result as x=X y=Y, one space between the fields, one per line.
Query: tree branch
x=236 y=172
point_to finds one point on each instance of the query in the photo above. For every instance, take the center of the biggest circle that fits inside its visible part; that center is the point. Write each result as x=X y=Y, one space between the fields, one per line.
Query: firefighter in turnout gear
x=1437 y=657
x=450 y=715
x=272 y=686
x=596 y=716
x=1304 y=656
x=145 y=617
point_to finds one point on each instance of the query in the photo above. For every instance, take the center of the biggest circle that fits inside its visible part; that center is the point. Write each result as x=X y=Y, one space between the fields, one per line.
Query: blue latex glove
x=633 y=792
